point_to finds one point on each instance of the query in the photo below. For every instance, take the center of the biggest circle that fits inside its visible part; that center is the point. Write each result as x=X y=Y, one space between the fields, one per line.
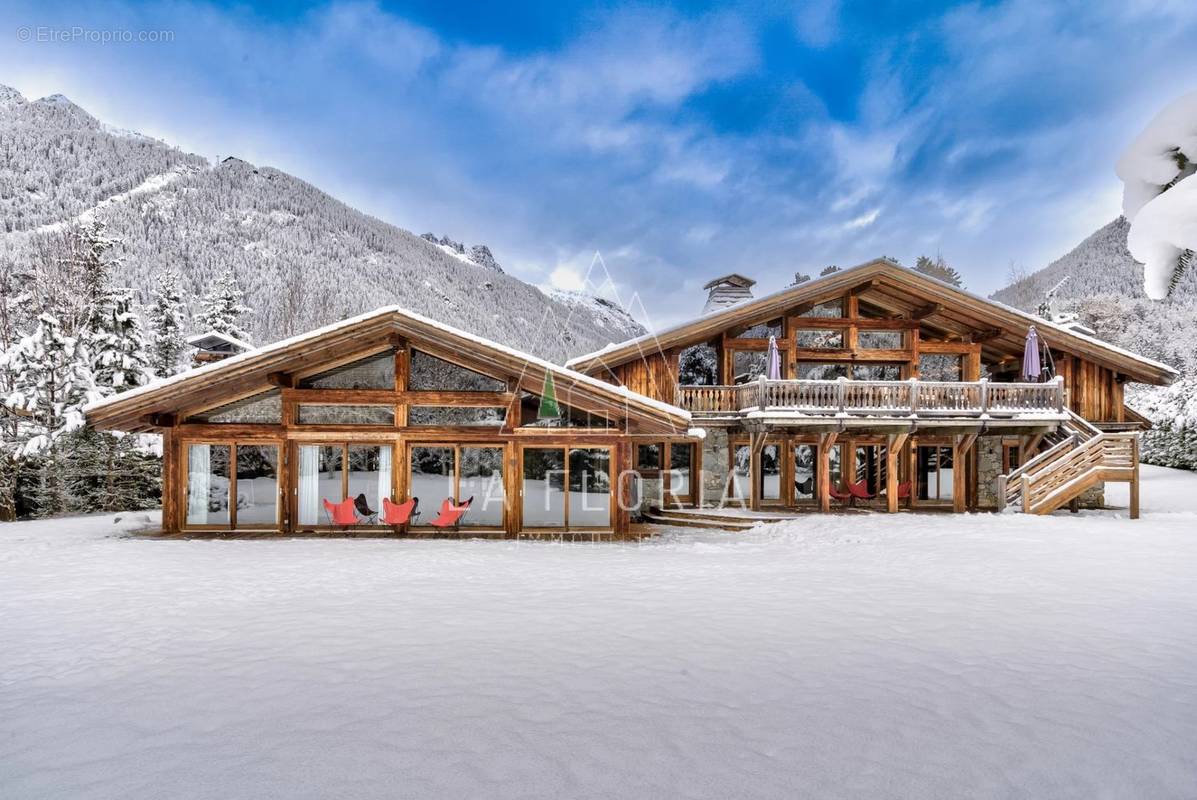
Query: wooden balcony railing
x=878 y=398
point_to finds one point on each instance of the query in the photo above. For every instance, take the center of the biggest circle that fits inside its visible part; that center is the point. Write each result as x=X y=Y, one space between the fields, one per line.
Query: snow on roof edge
x=1035 y=320
x=282 y=344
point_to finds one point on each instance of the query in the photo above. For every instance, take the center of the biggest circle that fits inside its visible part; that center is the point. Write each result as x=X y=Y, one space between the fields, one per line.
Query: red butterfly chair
x=342 y=513
x=844 y=499
x=397 y=515
x=451 y=515
x=904 y=491
x=860 y=491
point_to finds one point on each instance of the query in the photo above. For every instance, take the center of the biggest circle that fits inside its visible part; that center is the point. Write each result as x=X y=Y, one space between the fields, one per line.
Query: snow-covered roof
x=614 y=354
x=267 y=357
x=213 y=339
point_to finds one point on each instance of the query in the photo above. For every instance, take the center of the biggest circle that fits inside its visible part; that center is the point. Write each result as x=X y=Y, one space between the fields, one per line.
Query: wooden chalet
x=392 y=405
x=896 y=391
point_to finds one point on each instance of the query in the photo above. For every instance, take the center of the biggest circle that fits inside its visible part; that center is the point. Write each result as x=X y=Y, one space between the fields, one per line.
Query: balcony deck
x=795 y=402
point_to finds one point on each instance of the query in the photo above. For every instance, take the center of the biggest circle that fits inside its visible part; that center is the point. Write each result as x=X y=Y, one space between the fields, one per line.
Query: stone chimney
x=727 y=291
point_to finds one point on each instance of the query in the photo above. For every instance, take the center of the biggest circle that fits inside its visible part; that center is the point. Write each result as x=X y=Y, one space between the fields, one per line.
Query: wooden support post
x=1134 y=483
x=756 y=445
x=893 y=448
x=1029 y=446
x=172 y=484
x=823 y=472
x=960 y=449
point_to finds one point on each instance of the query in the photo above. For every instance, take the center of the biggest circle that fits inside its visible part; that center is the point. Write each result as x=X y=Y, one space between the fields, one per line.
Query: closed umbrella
x=1031 y=368
x=774 y=363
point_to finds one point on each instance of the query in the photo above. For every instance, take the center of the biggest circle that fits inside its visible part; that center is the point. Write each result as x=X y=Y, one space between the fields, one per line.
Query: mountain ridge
x=304 y=258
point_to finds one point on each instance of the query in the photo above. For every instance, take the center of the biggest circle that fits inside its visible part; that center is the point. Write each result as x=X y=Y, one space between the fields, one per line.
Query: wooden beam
x=284 y=380
x=823 y=473
x=986 y=335
x=922 y=312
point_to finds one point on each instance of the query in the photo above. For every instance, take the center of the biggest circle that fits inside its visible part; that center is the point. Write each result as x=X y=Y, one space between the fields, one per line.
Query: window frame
x=566 y=448
x=185 y=476
x=431 y=510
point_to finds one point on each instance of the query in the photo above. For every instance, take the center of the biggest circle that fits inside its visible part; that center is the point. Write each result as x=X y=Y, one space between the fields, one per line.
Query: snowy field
x=858 y=656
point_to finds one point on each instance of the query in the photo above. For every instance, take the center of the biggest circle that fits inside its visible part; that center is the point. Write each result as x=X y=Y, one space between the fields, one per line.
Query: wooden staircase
x=1079 y=457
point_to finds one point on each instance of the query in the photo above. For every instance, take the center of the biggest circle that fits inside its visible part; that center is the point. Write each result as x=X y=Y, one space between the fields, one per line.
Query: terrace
x=867 y=400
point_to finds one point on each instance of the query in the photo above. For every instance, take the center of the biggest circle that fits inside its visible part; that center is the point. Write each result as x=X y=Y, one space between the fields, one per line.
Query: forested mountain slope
x=303 y=257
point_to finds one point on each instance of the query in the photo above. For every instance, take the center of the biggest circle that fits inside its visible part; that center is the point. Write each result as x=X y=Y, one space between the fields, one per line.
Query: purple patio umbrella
x=1030 y=356
x=773 y=370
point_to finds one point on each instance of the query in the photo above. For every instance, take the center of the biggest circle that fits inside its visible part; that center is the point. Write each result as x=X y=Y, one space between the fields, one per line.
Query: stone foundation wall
x=714 y=466
x=989 y=467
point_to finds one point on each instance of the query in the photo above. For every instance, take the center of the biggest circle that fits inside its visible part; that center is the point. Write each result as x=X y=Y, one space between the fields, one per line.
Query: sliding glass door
x=568 y=488
x=337 y=471
x=232 y=485
x=459 y=472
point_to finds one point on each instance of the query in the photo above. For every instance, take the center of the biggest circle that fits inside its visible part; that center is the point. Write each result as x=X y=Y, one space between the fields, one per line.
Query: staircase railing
x=1105 y=455
x=1074 y=431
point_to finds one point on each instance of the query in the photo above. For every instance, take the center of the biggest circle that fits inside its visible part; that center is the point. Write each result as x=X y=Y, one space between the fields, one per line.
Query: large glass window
x=648 y=456
x=589 y=488
x=738 y=486
x=748 y=365
x=809 y=371
x=698 y=366
x=806 y=465
x=430 y=374
x=762 y=330
x=820 y=339
x=544 y=487
x=681 y=468
x=265 y=408
x=830 y=309
x=935 y=473
x=433 y=470
x=232 y=485
x=880 y=340
x=375 y=372
x=482 y=479
x=346 y=415
x=941 y=367
x=336 y=472
x=876 y=372
x=771 y=472
x=257 y=484
x=456 y=416
x=208 y=484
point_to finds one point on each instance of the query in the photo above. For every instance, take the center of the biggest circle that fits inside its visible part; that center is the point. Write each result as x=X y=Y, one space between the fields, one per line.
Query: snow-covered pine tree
x=51 y=382
x=222 y=307
x=167 y=316
x=939 y=269
x=14 y=304
x=116 y=348
x=93 y=266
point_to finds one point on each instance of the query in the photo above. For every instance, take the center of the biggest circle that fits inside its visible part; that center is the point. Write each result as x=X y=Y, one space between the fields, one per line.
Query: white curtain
x=309 y=485
x=199 y=483
x=384 y=475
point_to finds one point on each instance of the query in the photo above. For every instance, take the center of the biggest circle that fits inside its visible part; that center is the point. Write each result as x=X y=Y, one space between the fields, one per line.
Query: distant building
x=215 y=346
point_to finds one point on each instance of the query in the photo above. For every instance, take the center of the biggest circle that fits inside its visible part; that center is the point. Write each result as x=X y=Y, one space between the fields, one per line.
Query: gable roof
x=246 y=373
x=901 y=289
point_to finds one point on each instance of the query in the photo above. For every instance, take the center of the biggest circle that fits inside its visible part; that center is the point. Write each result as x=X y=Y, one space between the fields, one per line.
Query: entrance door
x=935 y=468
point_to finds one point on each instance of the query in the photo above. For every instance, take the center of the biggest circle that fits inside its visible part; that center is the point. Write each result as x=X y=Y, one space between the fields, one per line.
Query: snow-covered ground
x=865 y=656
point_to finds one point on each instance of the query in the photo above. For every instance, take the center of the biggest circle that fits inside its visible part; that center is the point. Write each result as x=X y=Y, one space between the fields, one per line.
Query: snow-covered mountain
x=303 y=257
x=1105 y=287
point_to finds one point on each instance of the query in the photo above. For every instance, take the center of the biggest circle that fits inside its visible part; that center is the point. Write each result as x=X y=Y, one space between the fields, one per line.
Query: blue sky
x=681 y=141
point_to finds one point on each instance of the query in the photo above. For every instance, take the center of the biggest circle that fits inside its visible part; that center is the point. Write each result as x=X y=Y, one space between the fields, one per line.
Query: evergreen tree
x=51 y=382
x=548 y=400
x=14 y=302
x=938 y=268
x=828 y=271
x=116 y=348
x=166 y=320
x=800 y=277
x=110 y=472
x=223 y=308
x=93 y=264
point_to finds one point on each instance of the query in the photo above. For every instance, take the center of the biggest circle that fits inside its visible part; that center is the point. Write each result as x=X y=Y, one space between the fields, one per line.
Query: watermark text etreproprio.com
x=79 y=33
